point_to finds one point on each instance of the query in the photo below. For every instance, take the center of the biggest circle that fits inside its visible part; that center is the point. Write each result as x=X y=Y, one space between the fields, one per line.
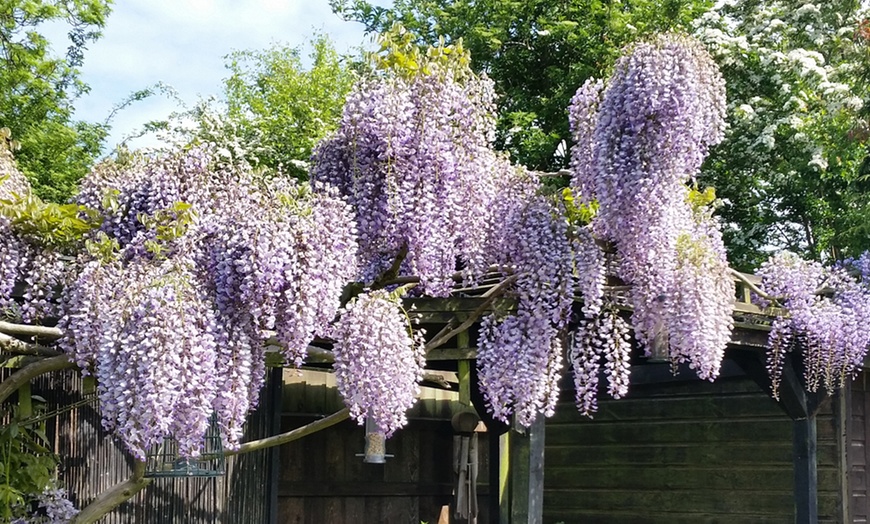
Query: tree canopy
x=38 y=88
x=281 y=106
x=790 y=171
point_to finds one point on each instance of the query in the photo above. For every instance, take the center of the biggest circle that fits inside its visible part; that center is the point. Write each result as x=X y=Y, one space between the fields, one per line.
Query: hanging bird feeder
x=376 y=444
x=163 y=460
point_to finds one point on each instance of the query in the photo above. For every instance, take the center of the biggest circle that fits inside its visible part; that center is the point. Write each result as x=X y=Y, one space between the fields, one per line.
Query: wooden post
x=801 y=407
x=805 y=474
x=463 y=371
x=527 y=474
x=502 y=477
x=843 y=422
x=276 y=394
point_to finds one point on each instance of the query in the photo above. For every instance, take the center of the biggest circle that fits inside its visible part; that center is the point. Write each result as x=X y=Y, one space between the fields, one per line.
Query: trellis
x=517 y=475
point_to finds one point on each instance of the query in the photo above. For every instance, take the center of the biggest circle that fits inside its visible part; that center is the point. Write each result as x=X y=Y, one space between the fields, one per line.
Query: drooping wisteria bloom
x=413 y=156
x=520 y=356
x=827 y=311
x=14 y=252
x=57 y=507
x=378 y=360
x=640 y=138
x=212 y=262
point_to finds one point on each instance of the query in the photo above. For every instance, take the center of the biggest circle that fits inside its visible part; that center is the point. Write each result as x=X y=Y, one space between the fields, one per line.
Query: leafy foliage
x=283 y=108
x=788 y=172
x=58 y=226
x=27 y=465
x=37 y=91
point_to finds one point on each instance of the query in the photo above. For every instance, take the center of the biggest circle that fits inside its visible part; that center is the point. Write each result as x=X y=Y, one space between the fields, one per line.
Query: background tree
x=38 y=88
x=285 y=109
x=538 y=52
x=789 y=172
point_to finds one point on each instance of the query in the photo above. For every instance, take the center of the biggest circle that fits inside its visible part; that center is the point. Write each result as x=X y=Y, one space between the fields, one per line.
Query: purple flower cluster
x=583 y=119
x=413 y=156
x=520 y=356
x=174 y=328
x=863 y=265
x=45 y=272
x=827 y=311
x=378 y=362
x=700 y=324
x=639 y=140
x=603 y=338
x=14 y=252
x=58 y=509
x=590 y=270
x=13 y=257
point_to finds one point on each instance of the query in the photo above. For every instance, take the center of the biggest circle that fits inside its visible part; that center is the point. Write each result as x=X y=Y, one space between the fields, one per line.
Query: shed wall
x=683 y=452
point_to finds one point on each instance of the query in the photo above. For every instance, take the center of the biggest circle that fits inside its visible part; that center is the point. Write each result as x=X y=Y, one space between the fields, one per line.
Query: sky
x=182 y=43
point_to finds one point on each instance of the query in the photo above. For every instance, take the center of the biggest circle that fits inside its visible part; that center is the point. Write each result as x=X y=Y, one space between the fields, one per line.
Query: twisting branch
x=124 y=491
x=393 y=272
x=19 y=347
x=283 y=438
x=31 y=371
x=114 y=496
x=446 y=334
x=50 y=333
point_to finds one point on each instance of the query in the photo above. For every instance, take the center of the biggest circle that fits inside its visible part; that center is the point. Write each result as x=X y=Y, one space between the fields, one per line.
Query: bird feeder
x=163 y=460
x=376 y=444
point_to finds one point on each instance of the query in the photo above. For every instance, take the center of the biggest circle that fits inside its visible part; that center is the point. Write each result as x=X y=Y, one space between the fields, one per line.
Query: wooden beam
x=276 y=389
x=464 y=371
x=498 y=438
x=842 y=403
x=751 y=364
x=793 y=398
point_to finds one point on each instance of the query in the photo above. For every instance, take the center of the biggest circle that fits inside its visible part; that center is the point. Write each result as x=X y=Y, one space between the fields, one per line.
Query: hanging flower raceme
x=409 y=153
x=640 y=139
x=378 y=361
x=520 y=356
x=825 y=315
x=14 y=252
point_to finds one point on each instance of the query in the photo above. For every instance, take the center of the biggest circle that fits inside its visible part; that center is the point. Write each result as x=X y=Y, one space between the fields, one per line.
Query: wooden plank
x=664 y=432
x=731 y=456
x=668 y=476
x=614 y=516
x=644 y=502
x=354 y=488
x=710 y=407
